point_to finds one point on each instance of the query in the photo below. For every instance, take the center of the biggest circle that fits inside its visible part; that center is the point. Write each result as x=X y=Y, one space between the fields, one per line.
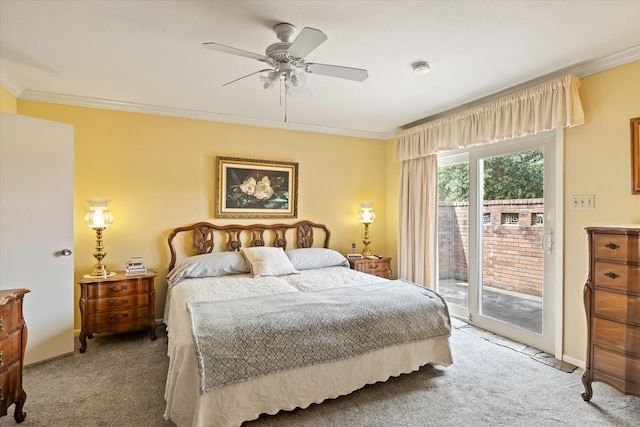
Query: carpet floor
x=120 y=382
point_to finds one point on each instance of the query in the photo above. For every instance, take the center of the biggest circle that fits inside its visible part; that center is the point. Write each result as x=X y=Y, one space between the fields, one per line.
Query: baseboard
x=579 y=363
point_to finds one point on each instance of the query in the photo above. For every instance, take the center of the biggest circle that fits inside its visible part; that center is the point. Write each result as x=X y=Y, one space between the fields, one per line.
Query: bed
x=258 y=325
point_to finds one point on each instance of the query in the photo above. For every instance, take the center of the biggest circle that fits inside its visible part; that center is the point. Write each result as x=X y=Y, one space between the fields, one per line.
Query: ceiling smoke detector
x=422 y=67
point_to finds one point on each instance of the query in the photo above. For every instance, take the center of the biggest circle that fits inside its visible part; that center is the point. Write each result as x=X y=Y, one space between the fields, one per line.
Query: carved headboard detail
x=206 y=237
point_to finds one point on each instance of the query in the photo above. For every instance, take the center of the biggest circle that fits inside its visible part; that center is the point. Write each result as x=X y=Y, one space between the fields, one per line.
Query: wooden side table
x=13 y=340
x=378 y=267
x=118 y=303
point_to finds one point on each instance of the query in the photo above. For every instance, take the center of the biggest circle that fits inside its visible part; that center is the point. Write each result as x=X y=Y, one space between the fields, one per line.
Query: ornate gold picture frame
x=635 y=155
x=250 y=188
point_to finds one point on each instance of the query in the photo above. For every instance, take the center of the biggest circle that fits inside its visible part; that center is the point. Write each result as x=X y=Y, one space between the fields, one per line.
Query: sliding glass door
x=496 y=220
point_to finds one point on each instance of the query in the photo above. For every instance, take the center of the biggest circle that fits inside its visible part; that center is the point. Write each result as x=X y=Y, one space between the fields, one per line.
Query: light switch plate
x=583 y=201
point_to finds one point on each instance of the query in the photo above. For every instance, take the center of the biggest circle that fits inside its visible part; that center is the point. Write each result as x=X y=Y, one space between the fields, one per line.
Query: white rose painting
x=256 y=189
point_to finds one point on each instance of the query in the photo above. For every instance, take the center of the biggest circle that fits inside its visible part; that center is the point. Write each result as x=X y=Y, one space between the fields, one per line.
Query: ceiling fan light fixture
x=421 y=67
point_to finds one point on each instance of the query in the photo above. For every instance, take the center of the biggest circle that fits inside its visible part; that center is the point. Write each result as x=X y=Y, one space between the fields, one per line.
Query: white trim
x=558 y=246
x=579 y=363
x=12 y=86
x=108 y=104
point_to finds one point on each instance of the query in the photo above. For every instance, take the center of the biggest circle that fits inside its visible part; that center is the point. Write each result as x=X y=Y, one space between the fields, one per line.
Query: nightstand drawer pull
x=118 y=316
x=1 y=394
x=1 y=360
x=612 y=246
x=612 y=275
x=114 y=302
x=122 y=288
x=1 y=323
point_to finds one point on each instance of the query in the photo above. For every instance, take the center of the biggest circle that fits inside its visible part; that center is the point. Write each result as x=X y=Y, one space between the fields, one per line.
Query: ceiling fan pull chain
x=285 y=103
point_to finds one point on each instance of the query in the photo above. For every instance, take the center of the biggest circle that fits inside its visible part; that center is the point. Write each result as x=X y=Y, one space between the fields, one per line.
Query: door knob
x=65 y=252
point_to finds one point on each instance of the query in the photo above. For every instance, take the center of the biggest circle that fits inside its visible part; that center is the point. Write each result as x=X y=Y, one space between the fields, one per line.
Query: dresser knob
x=1 y=394
x=612 y=246
x=114 y=302
x=1 y=323
x=122 y=288
x=1 y=359
x=612 y=275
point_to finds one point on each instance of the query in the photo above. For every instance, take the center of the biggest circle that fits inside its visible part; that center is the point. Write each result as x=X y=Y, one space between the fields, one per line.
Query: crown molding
x=108 y=104
x=8 y=83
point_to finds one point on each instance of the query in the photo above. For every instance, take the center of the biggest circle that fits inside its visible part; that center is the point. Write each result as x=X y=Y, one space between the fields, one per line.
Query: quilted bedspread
x=250 y=337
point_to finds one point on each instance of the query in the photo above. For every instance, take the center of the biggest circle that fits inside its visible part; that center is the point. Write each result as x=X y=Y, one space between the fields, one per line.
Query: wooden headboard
x=203 y=237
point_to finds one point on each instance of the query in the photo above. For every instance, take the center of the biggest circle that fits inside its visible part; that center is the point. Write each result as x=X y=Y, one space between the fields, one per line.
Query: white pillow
x=267 y=261
x=308 y=258
x=209 y=265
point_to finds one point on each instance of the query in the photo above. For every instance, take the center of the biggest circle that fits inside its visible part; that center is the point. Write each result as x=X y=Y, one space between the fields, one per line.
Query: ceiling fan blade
x=357 y=74
x=233 y=51
x=246 y=77
x=307 y=40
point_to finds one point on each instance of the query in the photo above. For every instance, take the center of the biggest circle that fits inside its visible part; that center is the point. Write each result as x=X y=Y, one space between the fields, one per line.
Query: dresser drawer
x=117 y=320
x=617 y=247
x=616 y=364
x=622 y=277
x=115 y=289
x=10 y=350
x=615 y=306
x=618 y=336
x=10 y=317
x=117 y=303
x=10 y=385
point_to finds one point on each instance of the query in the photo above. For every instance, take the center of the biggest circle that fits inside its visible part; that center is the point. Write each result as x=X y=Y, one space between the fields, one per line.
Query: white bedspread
x=300 y=387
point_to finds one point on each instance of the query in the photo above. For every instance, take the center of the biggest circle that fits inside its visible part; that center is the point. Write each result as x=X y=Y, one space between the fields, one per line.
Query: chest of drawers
x=13 y=340
x=378 y=267
x=118 y=303
x=612 y=304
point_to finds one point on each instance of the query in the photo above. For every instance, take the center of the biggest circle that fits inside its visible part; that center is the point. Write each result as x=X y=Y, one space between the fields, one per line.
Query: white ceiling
x=147 y=55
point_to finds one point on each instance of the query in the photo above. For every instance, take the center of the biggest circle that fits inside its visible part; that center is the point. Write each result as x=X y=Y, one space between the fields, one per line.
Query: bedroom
x=142 y=148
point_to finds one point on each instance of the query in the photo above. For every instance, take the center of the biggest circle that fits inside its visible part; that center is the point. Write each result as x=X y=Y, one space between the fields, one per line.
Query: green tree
x=513 y=176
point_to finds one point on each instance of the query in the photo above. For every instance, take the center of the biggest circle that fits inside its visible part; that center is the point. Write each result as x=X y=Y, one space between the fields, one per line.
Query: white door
x=36 y=228
x=500 y=255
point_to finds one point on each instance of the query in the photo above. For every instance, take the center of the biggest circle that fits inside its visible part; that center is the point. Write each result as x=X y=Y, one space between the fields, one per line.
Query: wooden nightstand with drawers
x=378 y=267
x=118 y=303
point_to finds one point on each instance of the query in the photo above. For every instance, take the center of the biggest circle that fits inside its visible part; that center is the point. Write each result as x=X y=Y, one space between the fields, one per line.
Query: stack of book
x=135 y=266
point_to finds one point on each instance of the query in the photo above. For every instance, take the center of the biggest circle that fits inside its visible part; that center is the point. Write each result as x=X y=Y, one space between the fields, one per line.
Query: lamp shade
x=366 y=215
x=98 y=215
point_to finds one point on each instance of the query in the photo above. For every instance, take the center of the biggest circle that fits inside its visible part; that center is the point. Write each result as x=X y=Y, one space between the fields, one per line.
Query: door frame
x=555 y=215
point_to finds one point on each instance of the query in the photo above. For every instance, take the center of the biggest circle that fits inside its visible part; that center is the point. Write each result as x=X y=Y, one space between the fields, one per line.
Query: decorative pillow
x=210 y=265
x=267 y=261
x=308 y=258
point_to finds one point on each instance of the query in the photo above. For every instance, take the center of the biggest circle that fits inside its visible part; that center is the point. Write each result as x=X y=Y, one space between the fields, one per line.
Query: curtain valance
x=549 y=105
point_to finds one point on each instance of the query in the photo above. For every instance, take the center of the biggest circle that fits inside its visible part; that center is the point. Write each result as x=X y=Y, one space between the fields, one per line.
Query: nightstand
x=118 y=303
x=378 y=267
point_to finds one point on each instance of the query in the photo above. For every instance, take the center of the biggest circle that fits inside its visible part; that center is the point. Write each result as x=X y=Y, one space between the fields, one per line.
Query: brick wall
x=512 y=235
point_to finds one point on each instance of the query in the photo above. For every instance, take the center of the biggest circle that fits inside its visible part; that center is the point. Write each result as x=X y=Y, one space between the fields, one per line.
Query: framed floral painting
x=249 y=188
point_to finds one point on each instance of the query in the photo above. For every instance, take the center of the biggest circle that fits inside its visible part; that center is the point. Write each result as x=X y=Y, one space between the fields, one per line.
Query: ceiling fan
x=287 y=60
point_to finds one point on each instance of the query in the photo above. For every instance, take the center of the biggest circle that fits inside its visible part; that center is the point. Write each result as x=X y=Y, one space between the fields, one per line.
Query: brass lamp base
x=365 y=251
x=100 y=270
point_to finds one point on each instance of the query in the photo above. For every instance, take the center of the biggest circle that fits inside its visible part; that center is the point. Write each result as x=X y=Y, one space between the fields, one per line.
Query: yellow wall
x=159 y=173
x=597 y=161
x=8 y=102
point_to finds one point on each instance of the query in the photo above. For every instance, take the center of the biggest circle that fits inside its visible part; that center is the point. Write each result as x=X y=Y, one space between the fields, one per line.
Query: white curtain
x=416 y=225
x=550 y=105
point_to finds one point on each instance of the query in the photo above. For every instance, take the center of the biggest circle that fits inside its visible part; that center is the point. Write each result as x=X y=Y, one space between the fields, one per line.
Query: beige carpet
x=120 y=381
